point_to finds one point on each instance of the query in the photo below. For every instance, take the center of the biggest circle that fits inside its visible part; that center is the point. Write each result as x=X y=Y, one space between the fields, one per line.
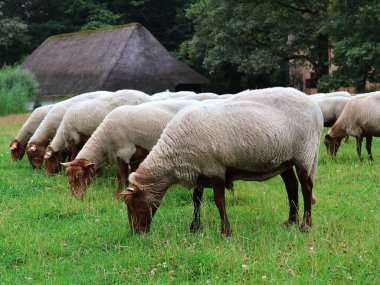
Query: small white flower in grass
x=244 y=267
x=164 y=264
x=311 y=249
x=208 y=282
x=349 y=277
x=264 y=278
x=153 y=271
x=28 y=278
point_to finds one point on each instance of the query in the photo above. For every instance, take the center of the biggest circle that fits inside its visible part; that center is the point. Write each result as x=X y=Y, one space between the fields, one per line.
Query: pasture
x=49 y=237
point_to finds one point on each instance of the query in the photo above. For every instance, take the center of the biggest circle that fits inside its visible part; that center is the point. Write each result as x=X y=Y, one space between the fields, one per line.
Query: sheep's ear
x=48 y=154
x=66 y=164
x=13 y=146
x=87 y=164
x=128 y=191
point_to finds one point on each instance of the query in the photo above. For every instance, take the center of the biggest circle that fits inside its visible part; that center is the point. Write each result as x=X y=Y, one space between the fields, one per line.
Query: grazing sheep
x=360 y=118
x=81 y=120
x=331 y=108
x=45 y=132
x=171 y=95
x=200 y=97
x=331 y=94
x=126 y=135
x=255 y=135
x=18 y=145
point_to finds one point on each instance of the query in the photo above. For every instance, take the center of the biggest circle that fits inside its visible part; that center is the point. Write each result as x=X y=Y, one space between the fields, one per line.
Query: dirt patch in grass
x=13 y=119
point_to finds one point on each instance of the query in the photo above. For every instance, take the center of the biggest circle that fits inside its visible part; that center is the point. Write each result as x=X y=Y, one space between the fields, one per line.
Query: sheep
x=331 y=94
x=171 y=95
x=200 y=97
x=126 y=135
x=360 y=118
x=331 y=108
x=18 y=144
x=254 y=135
x=45 y=132
x=81 y=120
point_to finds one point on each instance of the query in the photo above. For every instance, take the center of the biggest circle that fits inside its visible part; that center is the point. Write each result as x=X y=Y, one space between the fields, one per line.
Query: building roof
x=111 y=58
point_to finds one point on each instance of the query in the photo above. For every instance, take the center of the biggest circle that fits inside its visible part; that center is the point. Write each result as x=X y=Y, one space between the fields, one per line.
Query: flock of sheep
x=196 y=140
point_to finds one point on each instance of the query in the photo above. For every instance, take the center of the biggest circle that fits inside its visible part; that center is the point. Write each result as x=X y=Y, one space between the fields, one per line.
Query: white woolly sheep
x=254 y=135
x=81 y=120
x=360 y=118
x=331 y=94
x=18 y=145
x=126 y=134
x=171 y=95
x=46 y=130
x=331 y=108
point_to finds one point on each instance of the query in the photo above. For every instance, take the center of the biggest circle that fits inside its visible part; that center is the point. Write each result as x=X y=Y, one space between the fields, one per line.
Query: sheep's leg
x=368 y=146
x=197 y=199
x=291 y=184
x=359 y=141
x=122 y=173
x=220 y=202
x=307 y=192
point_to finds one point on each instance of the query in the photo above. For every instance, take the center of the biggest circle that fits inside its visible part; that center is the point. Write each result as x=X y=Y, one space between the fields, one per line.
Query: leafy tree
x=165 y=19
x=250 y=38
x=354 y=29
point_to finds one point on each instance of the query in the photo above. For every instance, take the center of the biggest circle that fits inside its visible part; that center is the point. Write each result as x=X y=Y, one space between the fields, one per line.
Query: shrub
x=17 y=87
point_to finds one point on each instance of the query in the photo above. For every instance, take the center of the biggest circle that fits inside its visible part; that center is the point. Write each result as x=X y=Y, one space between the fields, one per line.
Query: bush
x=17 y=87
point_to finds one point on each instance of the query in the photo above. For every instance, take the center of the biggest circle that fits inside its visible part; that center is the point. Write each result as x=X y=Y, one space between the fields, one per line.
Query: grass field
x=48 y=237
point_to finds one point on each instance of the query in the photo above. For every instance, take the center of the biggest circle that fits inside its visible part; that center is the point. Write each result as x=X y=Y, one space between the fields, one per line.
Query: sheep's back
x=245 y=135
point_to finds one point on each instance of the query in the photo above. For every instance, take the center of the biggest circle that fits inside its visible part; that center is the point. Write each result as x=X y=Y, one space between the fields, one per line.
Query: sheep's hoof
x=291 y=221
x=370 y=157
x=304 y=228
x=306 y=225
x=195 y=227
x=226 y=231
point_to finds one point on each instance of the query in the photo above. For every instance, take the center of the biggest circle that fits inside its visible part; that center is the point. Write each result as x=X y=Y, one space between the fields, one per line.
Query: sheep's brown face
x=332 y=144
x=17 y=150
x=80 y=173
x=53 y=161
x=140 y=212
x=35 y=153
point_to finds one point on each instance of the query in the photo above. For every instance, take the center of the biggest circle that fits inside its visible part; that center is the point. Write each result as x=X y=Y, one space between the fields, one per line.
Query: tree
x=249 y=39
x=165 y=19
x=354 y=29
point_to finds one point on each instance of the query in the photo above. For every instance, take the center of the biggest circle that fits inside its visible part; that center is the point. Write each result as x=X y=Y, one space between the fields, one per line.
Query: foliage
x=165 y=19
x=12 y=34
x=354 y=29
x=48 y=237
x=252 y=38
x=17 y=86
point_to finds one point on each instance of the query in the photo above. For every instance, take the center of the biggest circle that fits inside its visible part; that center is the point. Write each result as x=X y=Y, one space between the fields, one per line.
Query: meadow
x=49 y=237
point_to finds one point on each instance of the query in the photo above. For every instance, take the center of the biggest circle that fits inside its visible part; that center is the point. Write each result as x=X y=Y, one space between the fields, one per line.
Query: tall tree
x=165 y=19
x=354 y=29
x=251 y=38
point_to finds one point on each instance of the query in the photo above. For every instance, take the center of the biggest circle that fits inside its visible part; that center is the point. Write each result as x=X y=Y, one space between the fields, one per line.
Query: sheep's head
x=80 y=173
x=35 y=153
x=332 y=144
x=140 y=211
x=17 y=150
x=53 y=161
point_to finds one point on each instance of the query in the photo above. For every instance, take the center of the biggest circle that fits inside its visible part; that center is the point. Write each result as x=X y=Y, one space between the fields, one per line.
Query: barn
x=111 y=58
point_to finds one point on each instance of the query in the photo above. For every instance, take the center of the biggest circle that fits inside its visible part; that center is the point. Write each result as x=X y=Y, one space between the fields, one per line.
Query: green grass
x=48 y=237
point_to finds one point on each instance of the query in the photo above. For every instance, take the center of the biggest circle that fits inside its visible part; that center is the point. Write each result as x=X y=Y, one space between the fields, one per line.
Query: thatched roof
x=112 y=58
